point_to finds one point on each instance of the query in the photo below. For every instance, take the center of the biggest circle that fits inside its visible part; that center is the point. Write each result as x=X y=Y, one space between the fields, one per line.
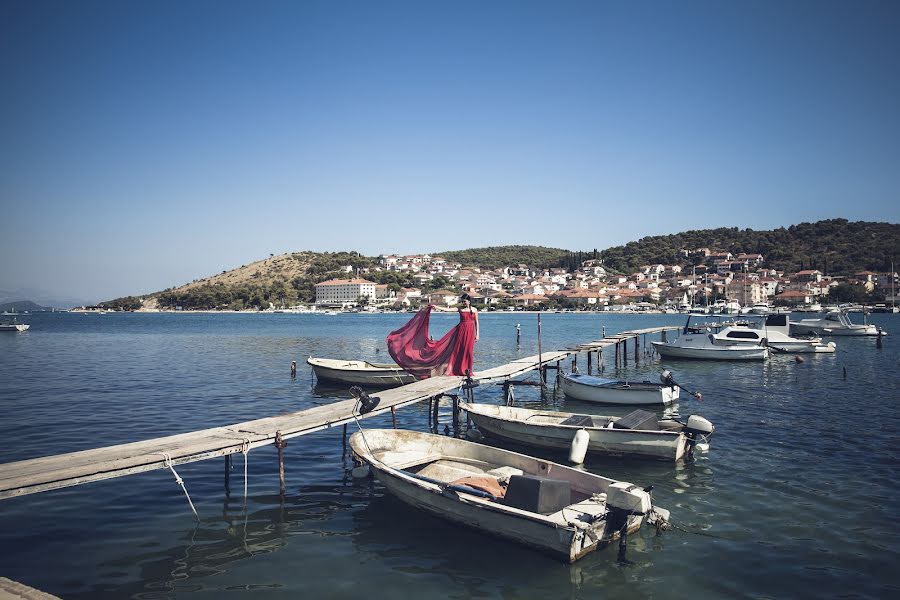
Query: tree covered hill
x=835 y=247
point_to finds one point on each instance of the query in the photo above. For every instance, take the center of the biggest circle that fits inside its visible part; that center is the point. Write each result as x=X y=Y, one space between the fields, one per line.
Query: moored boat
x=699 y=342
x=359 y=372
x=14 y=326
x=610 y=391
x=773 y=333
x=835 y=322
x=559 y=510
x=636 y=435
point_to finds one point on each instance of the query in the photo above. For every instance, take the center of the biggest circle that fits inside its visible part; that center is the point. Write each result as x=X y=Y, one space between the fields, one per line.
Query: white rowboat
x=609 y=391
x=556 y=509
x=656 y=439
x=359 y=372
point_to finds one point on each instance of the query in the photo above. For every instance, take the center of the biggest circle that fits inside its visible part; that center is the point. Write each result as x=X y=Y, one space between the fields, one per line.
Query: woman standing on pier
x=412 y=348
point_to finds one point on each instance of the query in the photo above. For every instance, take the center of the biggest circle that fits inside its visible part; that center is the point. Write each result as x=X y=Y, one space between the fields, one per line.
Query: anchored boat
x=359 y=372
x=556 y=509
x=610 y=391
x=636 y=435
x=835 y=322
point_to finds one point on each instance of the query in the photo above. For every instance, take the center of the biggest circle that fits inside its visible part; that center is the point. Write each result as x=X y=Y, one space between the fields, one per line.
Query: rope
x=180 y=482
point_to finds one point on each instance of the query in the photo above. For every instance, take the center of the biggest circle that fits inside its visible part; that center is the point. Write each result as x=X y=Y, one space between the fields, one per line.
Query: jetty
x=75 y=468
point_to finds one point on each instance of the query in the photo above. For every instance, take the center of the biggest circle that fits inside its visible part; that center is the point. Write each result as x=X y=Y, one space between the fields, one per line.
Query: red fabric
x=412 y=348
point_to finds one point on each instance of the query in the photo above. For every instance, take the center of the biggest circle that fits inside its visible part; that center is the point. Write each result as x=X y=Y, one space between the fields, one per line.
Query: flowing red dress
x=412 y=348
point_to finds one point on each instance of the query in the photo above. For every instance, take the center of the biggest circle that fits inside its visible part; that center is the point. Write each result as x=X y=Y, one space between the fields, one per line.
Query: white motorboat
x=559 y=510
x=14 y=326
x=636 y=435
x=835 y=322
x=359 y=372
x=760 y=308
x=610 y=391
x=698 y=341
x=774 y=333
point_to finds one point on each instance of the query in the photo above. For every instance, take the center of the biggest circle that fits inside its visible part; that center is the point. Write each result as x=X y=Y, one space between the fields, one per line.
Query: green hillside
x=835 y=246
x=494 y=257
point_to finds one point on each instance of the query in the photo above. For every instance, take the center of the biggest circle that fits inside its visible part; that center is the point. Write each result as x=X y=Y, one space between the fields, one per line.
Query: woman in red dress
x=413 y=349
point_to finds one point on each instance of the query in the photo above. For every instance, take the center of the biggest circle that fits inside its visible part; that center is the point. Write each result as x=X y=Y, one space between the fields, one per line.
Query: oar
x=667 y=379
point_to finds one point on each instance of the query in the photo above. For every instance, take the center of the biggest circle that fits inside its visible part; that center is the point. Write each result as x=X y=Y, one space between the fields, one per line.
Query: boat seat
x=450 y=470
x=638 y=419
x=586 y=511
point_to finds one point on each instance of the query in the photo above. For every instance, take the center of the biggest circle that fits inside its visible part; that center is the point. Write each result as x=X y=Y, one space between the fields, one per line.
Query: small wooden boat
x=610 y=391
x=559 y=510
x=359 y=372
x=636 y=435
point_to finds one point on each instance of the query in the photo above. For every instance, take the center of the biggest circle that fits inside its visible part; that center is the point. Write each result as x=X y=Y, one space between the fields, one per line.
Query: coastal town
x=708 y=281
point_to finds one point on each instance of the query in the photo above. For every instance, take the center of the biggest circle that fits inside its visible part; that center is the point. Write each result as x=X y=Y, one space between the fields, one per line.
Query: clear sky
x=146 y=144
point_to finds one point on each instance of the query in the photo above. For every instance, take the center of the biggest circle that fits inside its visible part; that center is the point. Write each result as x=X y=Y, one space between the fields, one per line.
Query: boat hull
x=357 y=372
x=14 y=327
x=511 y=424
x=712 y=353
x=387 y=452
x=586 y=388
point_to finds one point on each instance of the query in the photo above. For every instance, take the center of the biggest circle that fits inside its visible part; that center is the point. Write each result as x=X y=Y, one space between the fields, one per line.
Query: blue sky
x=146 y=144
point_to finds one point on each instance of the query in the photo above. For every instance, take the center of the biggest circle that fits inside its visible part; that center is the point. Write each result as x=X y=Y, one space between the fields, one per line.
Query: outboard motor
x=696 y=428
x=666 y=378
x=623 y=500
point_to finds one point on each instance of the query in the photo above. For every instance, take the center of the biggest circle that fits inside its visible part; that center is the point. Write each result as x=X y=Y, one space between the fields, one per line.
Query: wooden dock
x=53 y=472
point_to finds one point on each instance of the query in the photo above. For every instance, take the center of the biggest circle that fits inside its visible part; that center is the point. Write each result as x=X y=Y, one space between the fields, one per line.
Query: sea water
x=796 y=497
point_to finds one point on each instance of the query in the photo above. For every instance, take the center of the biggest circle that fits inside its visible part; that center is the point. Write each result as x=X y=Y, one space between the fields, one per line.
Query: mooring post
x=518 y=334
x=456 y=423
x=281 y=443
x=617 y=354
x=589 y=361
x=625 y=353
x=344 y=442
x=394 y=416
x=228 y=476
x=878 y=342
x=600 y=361
x=293 y=369
x=434 y=412
x=637 y=348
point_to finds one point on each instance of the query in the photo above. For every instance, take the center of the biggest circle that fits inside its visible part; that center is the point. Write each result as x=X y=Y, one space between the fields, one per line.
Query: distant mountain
x=835 y=247
x=22 y=306
x=43 y=297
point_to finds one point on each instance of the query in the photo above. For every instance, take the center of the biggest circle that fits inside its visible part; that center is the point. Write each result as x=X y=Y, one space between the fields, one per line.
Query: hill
x=835 y=247
x=22 y=306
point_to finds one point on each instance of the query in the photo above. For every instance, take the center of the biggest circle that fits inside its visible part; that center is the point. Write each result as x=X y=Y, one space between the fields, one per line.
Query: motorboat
x=359 y=372
x=559 y=510
x=760 y=308
x=835 y=322
x=610 y=391
x=773 y=332
x=638 y=434
x=698 y=341
x=14 y=326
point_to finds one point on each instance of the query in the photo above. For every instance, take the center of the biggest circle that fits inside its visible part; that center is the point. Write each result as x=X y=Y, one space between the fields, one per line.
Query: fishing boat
x=359 y=372
x=638 y=434
x=773 y=332
x=835 y=322
x=565 y=512
x=698 y=341
x=610 y=391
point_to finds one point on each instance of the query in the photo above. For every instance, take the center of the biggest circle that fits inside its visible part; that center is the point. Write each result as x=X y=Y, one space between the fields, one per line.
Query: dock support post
x=228 y=476
x=344 y=442
x=663 y=336
x=394 y=416
x=624 y=353
x=434 y=412
x=637 y=348
x=589 y=361
x=456 y=419
x=617 y=355
x=600 y=361
x=280 y=443
x=575 y=363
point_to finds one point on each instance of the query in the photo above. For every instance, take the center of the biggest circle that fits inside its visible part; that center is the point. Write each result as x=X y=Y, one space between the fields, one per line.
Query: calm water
x=794 y=500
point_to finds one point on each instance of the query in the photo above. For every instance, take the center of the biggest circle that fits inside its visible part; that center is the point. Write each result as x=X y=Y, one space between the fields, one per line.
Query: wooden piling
x=227 y=475
x=394 y=417
x=663 y=336
x=280 y=443
x=637 y=348
x=293 y=369
x=589 y=361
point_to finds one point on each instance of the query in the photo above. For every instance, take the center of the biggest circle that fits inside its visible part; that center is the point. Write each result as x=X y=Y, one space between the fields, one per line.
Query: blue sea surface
x=794 y=500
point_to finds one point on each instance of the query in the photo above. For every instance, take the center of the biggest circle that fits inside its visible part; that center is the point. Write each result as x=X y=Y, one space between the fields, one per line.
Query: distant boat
x=565 y=512
x=835 y=322
x=359 y=372
x=760 y=308
x=636 y=435
x=14 y=326
x=610 y=391
x=773 y=333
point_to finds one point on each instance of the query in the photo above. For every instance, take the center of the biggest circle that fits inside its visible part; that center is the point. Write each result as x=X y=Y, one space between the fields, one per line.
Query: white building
x=338 y=292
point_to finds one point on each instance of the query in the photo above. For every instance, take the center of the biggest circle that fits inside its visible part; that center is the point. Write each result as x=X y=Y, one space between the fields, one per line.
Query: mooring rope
x=180 y=482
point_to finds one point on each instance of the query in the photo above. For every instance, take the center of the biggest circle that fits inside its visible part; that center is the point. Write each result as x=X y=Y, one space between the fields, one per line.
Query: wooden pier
x=53 y=472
